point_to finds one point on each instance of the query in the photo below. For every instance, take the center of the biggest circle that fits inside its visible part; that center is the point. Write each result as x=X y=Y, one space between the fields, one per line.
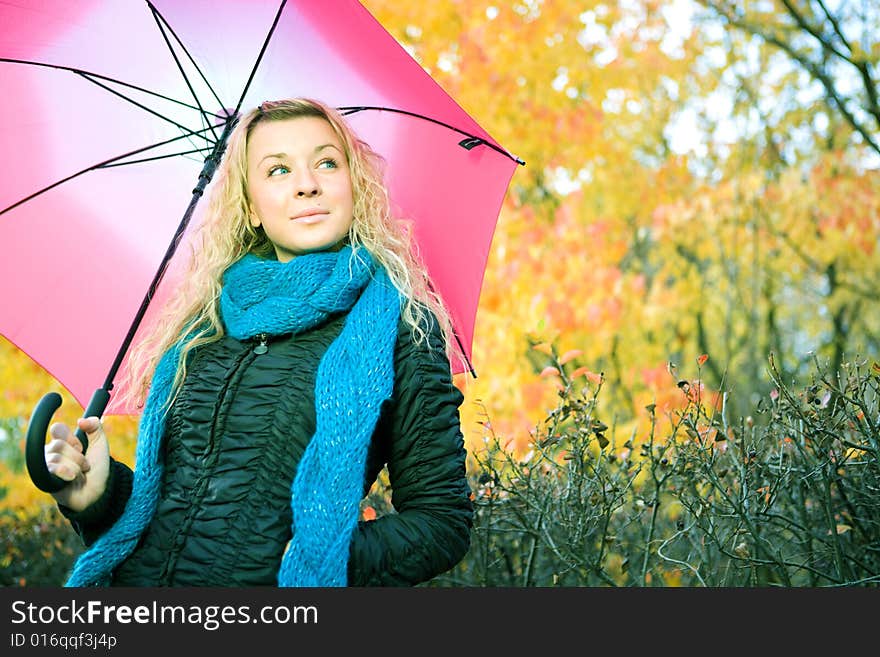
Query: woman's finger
x=62 y=467
x=71 y=450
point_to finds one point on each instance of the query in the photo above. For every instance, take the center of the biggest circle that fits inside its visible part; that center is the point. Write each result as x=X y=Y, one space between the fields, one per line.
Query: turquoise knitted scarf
x=354 y=377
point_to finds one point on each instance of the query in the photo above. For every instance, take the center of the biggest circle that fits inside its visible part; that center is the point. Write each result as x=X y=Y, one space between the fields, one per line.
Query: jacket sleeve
x=98 y=517
x=429 y=531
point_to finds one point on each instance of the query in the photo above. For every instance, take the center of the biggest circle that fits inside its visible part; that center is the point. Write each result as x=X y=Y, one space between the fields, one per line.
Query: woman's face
x=299 y=185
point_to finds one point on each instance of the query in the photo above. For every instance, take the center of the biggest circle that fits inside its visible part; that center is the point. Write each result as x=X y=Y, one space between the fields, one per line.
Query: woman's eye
x=277 y=169
x=327 y=164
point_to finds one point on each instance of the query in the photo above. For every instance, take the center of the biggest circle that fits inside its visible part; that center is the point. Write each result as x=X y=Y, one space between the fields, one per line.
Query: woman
x=304 y=353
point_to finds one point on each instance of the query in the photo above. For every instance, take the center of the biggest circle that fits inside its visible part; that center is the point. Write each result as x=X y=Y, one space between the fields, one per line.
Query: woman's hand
x=87 y=473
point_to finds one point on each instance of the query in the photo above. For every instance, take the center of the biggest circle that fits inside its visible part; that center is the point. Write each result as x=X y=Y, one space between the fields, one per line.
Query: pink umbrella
x=114 y=115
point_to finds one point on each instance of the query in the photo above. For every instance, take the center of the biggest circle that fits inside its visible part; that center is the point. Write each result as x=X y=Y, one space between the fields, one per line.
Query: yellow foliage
x=632 y=262
x=19 y=492
x=24 y=383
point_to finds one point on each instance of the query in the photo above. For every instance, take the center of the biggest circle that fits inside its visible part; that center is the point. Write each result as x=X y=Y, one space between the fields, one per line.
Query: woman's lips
x=310 y=216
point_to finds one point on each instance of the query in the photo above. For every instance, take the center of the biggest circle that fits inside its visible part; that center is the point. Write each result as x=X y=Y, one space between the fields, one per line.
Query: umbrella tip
x=469 y=143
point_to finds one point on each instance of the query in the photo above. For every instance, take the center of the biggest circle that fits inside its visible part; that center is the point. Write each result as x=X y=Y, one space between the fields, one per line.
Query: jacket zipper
x=209 y=456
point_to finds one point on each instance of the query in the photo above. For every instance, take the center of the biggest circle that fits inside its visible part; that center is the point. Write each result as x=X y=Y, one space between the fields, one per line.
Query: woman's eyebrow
x=279 y=156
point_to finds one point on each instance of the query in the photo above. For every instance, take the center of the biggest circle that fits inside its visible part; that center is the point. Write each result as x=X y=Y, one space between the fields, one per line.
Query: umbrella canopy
x=110 y=109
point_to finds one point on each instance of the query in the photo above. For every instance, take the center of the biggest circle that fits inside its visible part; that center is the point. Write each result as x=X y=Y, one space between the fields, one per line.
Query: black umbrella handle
x=35 y=445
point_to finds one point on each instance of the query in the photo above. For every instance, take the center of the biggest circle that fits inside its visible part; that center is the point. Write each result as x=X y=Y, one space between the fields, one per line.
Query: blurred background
x=701 y=178
x=701 y=195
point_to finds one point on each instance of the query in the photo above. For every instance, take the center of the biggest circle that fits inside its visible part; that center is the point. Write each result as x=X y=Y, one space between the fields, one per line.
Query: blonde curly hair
x=225 y=235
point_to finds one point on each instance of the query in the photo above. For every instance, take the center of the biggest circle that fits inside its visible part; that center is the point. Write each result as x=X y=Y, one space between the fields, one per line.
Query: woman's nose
x=307 y=185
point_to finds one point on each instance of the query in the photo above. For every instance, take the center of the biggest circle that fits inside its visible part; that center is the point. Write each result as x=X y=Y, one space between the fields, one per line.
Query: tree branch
x=815 y=70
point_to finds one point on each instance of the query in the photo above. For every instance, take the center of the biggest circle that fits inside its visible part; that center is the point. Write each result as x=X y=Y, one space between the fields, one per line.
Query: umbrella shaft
x=205 y=176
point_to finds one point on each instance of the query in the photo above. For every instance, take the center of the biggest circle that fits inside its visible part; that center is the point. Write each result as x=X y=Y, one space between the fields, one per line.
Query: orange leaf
x=569 y=355
x=549 y=371
x=594 y=378
x=581 y=371
x=544 y=348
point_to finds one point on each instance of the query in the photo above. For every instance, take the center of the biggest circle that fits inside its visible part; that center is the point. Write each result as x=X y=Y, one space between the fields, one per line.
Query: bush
x=790 y=501
x=36 y=550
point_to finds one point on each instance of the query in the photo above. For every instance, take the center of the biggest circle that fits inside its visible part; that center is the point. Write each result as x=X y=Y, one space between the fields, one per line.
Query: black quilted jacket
x=231 y=447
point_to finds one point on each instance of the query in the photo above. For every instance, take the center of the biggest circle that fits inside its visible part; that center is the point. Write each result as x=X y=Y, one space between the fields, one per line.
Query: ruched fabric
x=224 y=517
x=261 y=411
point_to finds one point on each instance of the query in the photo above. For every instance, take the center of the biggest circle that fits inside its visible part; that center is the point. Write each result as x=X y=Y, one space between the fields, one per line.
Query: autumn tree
x=699 y=179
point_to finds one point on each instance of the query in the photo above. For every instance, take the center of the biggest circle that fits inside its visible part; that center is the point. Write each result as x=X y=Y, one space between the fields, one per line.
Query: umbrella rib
x=457 y=339
x=260 y=56
x=151 y=159
x=188 y=131
x=160 y=20
x=100 y=165
x=205 y=176
x=471 y=141
x=89 y=75
x=464 y=354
